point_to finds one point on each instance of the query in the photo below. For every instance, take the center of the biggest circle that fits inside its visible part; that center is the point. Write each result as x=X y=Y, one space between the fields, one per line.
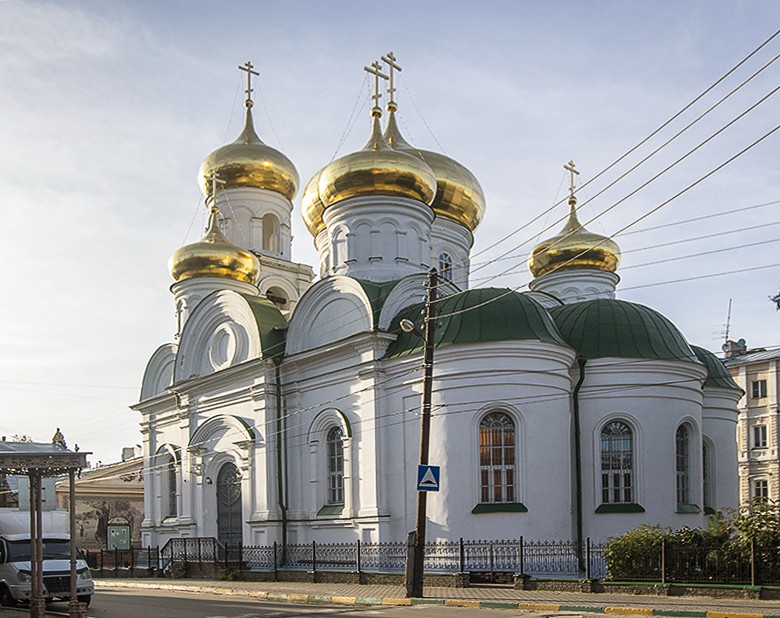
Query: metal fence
x=750 y=565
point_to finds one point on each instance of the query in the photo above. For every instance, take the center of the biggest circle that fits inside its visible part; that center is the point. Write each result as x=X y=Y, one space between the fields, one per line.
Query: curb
x=341 y=600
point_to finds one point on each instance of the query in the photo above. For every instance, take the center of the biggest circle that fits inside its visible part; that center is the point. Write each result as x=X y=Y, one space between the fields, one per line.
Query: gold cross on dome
x=390 y=61
x=216 y=181
x=248 y=66
x=569 y=167
x=374 y=70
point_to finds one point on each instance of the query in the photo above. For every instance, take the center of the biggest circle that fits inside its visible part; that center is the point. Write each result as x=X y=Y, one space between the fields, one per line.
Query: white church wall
x=719 y=422
x=653 y=398
x=531 y=386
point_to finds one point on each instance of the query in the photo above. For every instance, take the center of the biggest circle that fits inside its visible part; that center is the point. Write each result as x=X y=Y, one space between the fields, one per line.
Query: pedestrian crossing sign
x=428 y=478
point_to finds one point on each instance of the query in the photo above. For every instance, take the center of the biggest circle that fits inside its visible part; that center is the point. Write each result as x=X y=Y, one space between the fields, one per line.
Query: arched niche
x=158 y=375
x=332 y=309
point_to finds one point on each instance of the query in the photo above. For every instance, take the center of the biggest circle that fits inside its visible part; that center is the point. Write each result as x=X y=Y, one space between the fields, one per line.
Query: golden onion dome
x=249 y=162
x=574 y=248
x=214 y=256
x=459 y=195
x=377 y=169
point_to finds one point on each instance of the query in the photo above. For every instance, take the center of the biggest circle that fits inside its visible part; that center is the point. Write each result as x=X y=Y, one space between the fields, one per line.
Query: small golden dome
x=214 y=256
x=574 y=248
x=248 y=162
x=459 y=195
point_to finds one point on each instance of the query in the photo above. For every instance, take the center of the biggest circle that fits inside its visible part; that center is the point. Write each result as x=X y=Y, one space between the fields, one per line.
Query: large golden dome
x=248 y=162
x=459 y=195
x=377 y=169
x=574 y=248
x=214 y=256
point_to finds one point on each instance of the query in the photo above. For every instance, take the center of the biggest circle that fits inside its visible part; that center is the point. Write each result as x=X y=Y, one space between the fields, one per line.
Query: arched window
x=445 y=266
x=683 y=458
x=169 y=485
x=706 y=472
x=270 y=233
x=335 y=453
x=617 y=464
x=497 y=440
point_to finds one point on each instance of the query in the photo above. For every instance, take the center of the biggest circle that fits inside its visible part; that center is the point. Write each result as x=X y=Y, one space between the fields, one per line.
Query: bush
x=721 y=552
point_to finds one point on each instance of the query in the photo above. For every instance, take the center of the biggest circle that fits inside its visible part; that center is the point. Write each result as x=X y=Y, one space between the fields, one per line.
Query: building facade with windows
x=756 y=371
x=288 y=411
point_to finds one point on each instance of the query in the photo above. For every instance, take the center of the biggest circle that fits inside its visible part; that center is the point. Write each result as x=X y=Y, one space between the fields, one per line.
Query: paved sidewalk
x=487 y=597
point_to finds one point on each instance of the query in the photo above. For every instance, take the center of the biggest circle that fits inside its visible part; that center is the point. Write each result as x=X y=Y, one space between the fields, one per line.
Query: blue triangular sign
x=428 y=478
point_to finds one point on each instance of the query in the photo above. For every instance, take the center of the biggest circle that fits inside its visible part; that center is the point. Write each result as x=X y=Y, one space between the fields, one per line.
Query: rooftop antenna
x=728 y=320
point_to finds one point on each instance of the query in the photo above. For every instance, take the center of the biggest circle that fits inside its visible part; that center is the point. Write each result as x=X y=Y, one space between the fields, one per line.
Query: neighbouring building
x=286 y=410
x=757 y=371
x=110 y=492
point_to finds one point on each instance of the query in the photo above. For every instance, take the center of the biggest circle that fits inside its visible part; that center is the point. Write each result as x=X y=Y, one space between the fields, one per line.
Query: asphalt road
x=171 y=604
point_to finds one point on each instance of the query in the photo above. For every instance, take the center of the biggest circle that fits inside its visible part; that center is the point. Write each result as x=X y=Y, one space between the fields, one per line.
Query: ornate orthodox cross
x=248 y=66
x=569 y=167
x=390 y=61
x=375 y=71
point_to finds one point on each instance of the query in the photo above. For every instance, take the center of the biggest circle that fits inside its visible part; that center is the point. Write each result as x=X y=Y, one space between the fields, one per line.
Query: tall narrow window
x=270 y=233
x=445 y=266
x=683 y=456
x=497 y=458
x=706 y=471
x=169 y=486
x=617 y=464
x=335 y=447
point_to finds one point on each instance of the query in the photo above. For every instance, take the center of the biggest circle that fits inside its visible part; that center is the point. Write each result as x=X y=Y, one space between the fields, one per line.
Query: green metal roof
x=717 y=374
x=269 y=322
x=616 y=328
x=477 y=316
x=377 y=295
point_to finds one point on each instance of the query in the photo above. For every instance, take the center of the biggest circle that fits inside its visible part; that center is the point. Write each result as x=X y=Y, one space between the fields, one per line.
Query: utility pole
x=414 y=583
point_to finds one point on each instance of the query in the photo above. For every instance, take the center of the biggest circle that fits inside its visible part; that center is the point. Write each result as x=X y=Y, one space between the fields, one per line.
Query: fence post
x=358 y=565
x=116 y=561
x=184 y=543
x=752 y=561
x=226 y=555
x=101 y=562
x=663 y=561
x=159 y=561
x=132 y=560
x=520 y=560
x=587 y=558
x=462 y=555
x=276 y=563
x=314 y=556
x=200 y=555
x=492 y=575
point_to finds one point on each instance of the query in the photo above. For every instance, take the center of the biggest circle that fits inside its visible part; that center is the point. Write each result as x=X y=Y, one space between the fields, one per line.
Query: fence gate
x=229 y=505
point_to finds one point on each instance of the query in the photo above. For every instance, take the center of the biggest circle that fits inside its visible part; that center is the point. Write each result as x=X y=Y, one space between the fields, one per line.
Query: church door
x=229 y=505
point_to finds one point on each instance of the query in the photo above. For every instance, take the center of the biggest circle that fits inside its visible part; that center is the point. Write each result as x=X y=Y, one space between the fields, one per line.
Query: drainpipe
x=578 y=457
x=281 y=451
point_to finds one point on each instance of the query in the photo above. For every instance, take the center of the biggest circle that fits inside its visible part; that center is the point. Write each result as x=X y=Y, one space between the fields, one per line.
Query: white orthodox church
x=287 y=406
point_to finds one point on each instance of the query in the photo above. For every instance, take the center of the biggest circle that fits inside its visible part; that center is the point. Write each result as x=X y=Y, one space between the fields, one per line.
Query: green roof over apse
x=477 y=316
x=270 y=323
x=717 y=374
x=616 y=328
x=377 y=295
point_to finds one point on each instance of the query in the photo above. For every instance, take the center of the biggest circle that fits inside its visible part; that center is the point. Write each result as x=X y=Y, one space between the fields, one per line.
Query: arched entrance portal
x=229 y=505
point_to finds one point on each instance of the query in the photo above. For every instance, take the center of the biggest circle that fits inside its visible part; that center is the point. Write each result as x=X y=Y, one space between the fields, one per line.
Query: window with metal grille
x=683 y=457
x=497 y=440
x=335 y=448
x=445 y=266
x=617 y=464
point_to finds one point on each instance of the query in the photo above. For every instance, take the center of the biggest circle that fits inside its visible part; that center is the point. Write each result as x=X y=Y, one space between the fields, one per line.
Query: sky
x=108 y=108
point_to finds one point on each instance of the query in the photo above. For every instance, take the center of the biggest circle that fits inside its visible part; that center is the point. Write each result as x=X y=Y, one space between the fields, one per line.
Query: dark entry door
x=229 y=505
